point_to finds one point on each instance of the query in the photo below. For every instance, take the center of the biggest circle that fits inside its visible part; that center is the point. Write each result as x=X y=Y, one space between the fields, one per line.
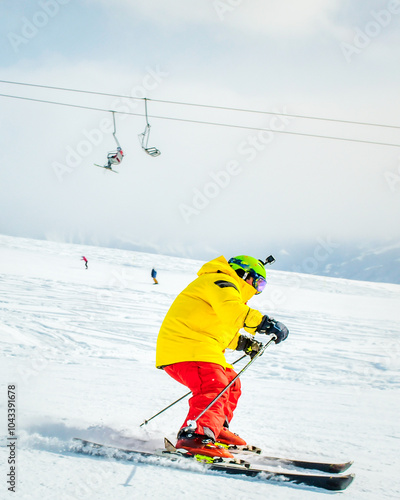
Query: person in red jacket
x=85 y=261
x=114 y=158
x=202 y=322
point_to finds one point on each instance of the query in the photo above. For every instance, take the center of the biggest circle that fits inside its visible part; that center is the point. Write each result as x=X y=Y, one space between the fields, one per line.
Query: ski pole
x=180 y=399
x=192 y=424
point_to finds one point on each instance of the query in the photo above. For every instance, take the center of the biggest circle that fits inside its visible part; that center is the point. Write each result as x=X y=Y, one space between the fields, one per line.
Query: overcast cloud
x=213 y=190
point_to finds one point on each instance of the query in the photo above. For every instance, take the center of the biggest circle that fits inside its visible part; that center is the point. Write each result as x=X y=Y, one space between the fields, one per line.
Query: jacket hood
x=220 y=264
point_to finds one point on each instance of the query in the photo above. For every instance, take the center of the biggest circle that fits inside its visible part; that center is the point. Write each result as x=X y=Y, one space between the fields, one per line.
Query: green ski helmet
x=249 y=267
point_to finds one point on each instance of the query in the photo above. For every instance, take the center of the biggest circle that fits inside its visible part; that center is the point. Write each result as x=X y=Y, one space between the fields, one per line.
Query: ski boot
x=199 y=444
x=229 y=438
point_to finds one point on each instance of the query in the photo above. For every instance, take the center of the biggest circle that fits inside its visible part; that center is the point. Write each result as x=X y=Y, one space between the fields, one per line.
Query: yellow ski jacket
x=206 y=317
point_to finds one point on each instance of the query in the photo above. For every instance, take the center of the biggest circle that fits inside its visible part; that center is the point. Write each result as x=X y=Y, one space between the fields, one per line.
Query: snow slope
x=80 y=346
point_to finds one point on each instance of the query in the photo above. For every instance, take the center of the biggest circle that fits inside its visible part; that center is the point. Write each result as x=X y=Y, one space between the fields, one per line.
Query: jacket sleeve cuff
x=252 y=320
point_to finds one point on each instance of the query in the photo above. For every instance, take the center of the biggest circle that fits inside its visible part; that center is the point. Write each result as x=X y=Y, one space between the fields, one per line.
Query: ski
x=106 y=168
x=171 y=456
x=246 y=451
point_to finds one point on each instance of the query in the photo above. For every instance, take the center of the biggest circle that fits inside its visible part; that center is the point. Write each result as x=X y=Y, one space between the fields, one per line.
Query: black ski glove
x=248 y=345
x=270 y=326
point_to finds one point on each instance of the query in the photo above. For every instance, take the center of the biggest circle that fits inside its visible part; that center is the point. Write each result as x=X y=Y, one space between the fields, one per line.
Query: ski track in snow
x=80 y=347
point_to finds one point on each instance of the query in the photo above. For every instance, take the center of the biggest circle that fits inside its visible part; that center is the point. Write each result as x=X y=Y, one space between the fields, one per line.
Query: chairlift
x=144 y=137
x=114 y=157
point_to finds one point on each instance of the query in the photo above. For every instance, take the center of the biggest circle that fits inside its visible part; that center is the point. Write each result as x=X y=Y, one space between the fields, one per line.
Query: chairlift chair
x=144 y=137
x=114 y=157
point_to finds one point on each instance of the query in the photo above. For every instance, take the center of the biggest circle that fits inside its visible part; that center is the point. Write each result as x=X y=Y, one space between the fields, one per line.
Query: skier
x=154 y=276
x=85 y=261
x=202 y=322
x=114 y=158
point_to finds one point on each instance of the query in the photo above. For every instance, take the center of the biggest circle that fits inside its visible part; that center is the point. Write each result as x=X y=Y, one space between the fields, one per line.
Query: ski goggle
x=259 y=282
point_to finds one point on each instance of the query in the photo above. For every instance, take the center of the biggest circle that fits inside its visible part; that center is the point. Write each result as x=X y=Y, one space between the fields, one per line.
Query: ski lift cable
x=278 y=113
x=81 y=106
x=186 y=120
x=225 y=108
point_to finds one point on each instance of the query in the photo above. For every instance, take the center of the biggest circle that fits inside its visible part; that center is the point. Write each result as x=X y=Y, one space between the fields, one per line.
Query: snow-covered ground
x=79 y=345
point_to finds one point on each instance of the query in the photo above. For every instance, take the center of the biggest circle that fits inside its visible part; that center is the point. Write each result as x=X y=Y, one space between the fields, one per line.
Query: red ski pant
x=206 y=381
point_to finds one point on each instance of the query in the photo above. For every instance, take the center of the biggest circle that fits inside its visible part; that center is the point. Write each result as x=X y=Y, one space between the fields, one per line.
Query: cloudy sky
x=254 y=184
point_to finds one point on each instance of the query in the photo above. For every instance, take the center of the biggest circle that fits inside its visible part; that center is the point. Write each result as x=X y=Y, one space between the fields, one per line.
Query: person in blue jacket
x=154 y=276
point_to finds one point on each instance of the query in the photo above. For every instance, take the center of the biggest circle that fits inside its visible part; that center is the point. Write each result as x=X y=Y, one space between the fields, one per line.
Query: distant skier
x=154 y=276
x=203 y=321
x=85 y=261
x=115 y=158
